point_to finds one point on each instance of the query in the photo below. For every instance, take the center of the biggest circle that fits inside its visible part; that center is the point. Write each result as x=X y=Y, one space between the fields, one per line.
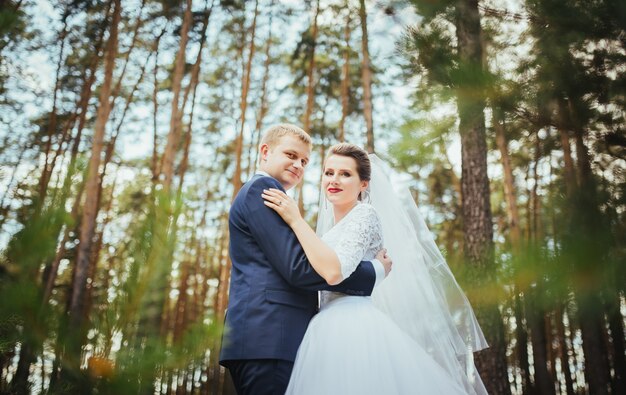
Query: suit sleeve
x=283 y=250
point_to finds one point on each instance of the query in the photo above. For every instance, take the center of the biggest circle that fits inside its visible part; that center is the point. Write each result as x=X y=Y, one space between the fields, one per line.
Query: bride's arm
x=322 y=258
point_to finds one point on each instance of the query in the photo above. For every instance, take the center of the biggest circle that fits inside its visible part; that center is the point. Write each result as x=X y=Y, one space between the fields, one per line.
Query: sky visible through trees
x=126 y=127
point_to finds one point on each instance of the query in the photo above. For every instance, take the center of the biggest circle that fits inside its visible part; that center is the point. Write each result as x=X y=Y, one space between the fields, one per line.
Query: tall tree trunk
x=88 y=221
x=48 y=166
x=592 y=329
x=552 y=352
x=154 y=290
x=563 y=124
x=154 y=163
x=170 y=322
x=195 y=68
x=51 y=269
x=192 y=88
x=138 y=24
x=521 y=336
x=537 y=226
x=310 y=94
x=509 y=181
x=180 y=322
x=216 y=378
x=221 y=296
x=516 y=243
x=263 y=104
x=477 y=220
x=366 y=78
x=244 y=104
x=181 y=303
x=616 y=325
x=563 y=349
x=345 y=76
x=173 y=137
x=535 y=314
x=81 y=106
x=590 y=312
x=99 y=240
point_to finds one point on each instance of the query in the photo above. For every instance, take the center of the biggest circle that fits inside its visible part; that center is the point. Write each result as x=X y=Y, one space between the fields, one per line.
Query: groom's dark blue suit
x=273 y=288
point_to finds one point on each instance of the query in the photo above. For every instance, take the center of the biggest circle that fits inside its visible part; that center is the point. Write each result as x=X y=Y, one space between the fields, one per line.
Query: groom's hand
x=385 y=260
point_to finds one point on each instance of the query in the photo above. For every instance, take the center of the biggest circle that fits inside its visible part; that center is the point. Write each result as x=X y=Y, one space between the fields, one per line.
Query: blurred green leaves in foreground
x=130 y=338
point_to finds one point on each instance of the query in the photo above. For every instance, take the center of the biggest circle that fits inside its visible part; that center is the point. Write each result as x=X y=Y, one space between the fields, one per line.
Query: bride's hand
x=284 y=205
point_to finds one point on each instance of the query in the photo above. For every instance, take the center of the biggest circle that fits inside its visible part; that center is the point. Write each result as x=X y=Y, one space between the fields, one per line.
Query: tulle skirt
x=351 y=347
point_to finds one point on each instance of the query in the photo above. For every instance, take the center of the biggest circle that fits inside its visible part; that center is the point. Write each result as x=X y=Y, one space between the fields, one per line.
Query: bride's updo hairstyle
x=363 y=166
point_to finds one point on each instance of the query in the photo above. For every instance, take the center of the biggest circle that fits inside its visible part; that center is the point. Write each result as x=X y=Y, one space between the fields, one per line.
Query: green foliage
x=431 y=53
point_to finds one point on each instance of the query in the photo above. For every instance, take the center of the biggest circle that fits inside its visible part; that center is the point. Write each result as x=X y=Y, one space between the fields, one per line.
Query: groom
x=273 y=288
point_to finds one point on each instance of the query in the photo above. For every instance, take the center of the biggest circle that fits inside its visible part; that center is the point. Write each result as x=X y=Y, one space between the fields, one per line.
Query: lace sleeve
x=361 y=233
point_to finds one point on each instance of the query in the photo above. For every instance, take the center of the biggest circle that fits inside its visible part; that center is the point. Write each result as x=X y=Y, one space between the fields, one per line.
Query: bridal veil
x=420 y=294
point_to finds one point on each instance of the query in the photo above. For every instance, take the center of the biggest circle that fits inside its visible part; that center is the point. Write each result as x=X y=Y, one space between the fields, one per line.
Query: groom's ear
x=264 y=149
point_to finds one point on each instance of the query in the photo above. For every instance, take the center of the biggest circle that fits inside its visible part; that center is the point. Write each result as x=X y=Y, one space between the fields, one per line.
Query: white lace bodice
x=357 y=237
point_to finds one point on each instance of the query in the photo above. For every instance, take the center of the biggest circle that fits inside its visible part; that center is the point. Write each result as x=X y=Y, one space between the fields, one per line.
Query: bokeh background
x=127 y=127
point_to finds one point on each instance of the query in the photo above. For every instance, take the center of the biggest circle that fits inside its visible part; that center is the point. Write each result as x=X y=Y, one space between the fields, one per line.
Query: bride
x=417 y=331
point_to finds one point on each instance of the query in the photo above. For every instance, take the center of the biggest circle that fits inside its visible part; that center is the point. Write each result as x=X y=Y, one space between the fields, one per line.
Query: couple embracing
x=322 y=313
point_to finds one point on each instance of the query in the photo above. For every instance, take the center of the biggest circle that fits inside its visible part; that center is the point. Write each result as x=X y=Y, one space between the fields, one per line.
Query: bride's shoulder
x=366 y=210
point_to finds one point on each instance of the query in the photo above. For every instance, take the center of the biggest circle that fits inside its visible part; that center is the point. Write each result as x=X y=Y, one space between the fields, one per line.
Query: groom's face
x=285 y=160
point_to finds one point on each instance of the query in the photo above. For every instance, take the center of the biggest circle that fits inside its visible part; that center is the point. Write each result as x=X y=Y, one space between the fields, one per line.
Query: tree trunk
x=550 y=335
x=173 y=137
x=50 y=271
x=88 y=221
x=244 y=105
x=509 y=181
x=138 y=24
x=19 y=384
x=570 y=172
x=477 y=220
x=522 y=344
x=366 y=78
x=52 y=120
x=592 y=328
x=345 y=77
x=563 y=350
x=51 y=268
x=616 y=325
x=97 y=248
x=536 y=317
x=220 y=302
x=310 y=95
x=590 y=313
x=154 y=164
x=155 y=289
x=537 y=226
x=263 y=104
x=310 y=89
x=181 y=303
x=193 y=84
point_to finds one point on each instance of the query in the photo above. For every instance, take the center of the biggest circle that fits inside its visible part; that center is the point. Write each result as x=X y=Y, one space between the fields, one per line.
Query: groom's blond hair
x=274 y=133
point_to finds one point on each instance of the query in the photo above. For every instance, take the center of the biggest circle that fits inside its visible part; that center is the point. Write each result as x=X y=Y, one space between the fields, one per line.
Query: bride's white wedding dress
x=352 y=347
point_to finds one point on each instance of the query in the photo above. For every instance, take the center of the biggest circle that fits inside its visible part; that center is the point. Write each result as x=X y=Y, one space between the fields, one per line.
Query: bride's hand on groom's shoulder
x=284 y=205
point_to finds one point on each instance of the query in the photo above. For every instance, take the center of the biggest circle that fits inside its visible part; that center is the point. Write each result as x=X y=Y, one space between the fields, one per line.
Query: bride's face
x=341 y=181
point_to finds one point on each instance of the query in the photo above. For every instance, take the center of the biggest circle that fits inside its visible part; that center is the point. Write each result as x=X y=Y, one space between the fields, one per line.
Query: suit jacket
x=273 y=288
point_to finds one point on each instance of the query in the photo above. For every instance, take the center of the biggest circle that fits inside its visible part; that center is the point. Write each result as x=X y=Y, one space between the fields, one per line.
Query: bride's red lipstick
x=334 y=190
